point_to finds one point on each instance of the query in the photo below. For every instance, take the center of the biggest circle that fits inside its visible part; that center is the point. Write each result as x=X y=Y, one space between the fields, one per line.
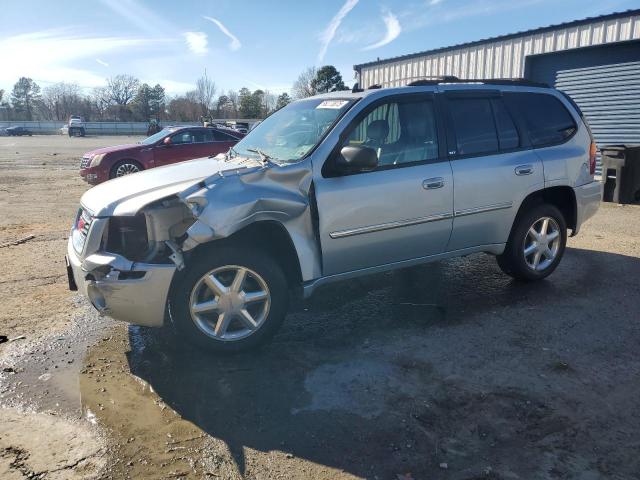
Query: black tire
x=513 y=261
x=113 y=173
x=220 y=256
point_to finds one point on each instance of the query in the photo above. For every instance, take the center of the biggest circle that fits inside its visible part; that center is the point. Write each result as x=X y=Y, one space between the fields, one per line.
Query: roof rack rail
x=486 y=81
x=375 y=86
x=434 y=81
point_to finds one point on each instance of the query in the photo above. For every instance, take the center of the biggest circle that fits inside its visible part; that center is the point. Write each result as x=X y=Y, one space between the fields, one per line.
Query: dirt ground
x=447 y=371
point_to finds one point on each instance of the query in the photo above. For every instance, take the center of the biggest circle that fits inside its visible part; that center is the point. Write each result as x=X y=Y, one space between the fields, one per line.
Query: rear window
x=474 y=126
x=546 y=119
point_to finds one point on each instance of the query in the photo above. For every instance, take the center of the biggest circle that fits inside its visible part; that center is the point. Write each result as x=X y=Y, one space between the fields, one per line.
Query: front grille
x=85 y=162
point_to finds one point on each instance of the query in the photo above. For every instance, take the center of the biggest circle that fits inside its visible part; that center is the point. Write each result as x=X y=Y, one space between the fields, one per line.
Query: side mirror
x=167 y=141
x=353 y=158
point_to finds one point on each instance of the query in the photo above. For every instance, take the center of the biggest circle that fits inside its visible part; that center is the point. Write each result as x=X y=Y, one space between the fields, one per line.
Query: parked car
x=18 y=131
x=170 y=145
x=334 y=187
x=75 y=127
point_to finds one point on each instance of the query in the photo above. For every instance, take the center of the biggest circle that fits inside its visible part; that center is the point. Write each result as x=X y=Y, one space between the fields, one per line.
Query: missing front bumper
x=139 y=299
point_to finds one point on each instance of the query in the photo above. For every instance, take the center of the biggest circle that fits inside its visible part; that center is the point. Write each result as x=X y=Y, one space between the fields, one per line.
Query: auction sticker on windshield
x=337 y=104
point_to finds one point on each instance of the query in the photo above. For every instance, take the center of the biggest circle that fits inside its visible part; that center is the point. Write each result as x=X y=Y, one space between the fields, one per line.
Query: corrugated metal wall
x=499 y=58
x=609 y=96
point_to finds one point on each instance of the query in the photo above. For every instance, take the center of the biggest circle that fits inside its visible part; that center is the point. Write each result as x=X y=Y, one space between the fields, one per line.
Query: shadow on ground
x=450 y=363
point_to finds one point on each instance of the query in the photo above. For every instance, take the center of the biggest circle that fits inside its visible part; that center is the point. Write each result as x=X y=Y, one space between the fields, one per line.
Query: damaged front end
x=126 y=264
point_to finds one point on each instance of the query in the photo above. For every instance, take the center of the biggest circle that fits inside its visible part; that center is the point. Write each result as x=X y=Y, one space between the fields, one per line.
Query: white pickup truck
x=75 y=127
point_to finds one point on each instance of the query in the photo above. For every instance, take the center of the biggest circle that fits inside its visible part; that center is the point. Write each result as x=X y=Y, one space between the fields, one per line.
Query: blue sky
x=257 y=44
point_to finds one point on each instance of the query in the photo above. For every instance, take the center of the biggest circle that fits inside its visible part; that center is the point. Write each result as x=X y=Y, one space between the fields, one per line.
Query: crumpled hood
x=126 y=195
x=116 y=148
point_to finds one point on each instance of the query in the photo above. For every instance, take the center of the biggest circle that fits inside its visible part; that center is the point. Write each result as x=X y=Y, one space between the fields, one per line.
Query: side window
x=400 y=132
x=183 y=137
x=199 y=136
x=546 y=119
x=507 y=133
x=474 y=126
x=222 y=137
x=208 y=135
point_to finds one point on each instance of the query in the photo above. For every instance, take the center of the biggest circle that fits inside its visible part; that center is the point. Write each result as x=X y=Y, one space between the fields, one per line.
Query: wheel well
x=563 y=198
x=273 y=239
x=122 y=160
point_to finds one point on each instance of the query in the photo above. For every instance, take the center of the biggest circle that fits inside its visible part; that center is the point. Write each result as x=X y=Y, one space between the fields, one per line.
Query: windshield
x=157 y=136
x=293 y=131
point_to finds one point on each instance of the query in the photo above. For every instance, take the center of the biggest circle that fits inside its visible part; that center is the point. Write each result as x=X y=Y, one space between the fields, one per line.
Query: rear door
x=222 y=142
x=403 y=209
x=493 y=167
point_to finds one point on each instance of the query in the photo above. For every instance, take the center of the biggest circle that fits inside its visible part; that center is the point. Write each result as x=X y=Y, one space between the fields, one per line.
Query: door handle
x=433 y=183
x=524 y=170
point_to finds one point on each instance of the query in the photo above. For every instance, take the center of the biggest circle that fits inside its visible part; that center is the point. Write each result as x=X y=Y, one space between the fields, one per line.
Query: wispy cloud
x=235 y=43
x=197 y=42
x=434 y=2
x=143 y=18
x=393 y=31
x=53 y=55
x=102 y=62
x=330 y=31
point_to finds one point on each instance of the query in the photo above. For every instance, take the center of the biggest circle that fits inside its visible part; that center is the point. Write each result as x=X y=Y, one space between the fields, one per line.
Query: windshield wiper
x=231 y=153
x=263 y=156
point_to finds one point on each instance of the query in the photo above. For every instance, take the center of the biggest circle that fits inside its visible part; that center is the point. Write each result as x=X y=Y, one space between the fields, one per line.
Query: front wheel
x=536 y=244
x=230 y=299
x=125 y=167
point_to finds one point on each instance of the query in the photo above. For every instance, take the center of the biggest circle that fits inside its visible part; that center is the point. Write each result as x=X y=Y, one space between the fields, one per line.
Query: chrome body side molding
x=483 y=209
x=388 y=226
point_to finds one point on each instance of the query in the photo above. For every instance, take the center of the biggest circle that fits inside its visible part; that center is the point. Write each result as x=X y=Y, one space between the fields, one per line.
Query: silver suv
x=332 y=187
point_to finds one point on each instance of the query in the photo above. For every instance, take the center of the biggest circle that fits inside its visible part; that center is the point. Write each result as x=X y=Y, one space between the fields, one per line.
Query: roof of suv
x=450 y=82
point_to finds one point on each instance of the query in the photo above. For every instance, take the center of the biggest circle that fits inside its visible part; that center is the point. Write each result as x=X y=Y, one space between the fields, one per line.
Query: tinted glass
x=546 y=119
x=208 y=135
x=474 y=126
x=223 y=137
x=400 y=132
x=199 y=136
x=507 y=133
x=182 y=137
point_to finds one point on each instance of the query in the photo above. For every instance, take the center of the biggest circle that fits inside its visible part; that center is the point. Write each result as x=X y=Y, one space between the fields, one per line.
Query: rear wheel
x=125 y=167
x=231 y=299
x=536 y=244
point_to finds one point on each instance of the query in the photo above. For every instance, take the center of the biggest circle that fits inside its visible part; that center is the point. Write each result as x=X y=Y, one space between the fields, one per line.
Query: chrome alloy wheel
x=126 y=169
x=230 y=303
x=541 y=244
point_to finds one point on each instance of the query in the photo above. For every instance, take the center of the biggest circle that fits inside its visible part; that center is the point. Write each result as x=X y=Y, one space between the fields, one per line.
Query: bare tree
x=304 y=86
x=122 y=88
x=100 y=101
x=233 y=98
x=184 y=108
x=269 y=101
x=206 y=92
x=62 y=100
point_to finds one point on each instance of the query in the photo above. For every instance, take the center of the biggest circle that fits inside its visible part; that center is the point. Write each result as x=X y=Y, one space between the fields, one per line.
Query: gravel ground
x=447 y=371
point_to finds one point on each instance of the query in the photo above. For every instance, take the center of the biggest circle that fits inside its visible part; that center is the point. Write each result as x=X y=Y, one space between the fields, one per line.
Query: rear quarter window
x=546 y=119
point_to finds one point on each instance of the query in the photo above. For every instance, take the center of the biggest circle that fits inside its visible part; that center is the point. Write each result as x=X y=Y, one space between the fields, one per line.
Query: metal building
x=595 y=60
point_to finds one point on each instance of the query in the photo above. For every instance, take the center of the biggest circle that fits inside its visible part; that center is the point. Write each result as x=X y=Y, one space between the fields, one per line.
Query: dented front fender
x=230 y=201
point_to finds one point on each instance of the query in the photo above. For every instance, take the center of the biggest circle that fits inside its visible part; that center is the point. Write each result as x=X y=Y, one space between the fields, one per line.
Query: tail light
x=592 y=158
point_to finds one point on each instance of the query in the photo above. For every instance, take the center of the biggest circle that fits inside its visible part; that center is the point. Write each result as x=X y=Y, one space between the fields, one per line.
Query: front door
x=180 y=149
x=400 y=211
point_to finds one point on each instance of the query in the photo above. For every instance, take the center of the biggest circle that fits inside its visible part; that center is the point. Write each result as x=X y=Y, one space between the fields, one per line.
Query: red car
x=170 y=145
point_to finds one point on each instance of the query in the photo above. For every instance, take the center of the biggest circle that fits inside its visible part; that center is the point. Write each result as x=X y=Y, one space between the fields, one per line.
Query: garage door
x=609 y=97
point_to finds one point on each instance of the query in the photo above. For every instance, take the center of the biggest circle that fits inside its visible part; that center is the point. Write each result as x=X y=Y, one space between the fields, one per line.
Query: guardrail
x=103 y=128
